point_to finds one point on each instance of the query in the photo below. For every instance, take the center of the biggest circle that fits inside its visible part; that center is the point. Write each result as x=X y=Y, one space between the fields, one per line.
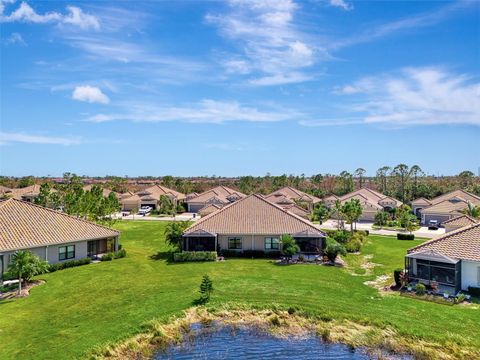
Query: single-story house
x=251 y=223
x=5 y=191
x=51 y=235
x=149 y=197
x=451 y=260
x=220 y=195
x=372 y=202
x=288 y=195
x=28 y=193
x=207 y=210
x=444 y=207
x=459 y=222
x=106 y=192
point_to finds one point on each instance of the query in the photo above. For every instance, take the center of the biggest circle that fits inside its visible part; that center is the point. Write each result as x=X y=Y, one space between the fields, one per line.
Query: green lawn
x=80 y=308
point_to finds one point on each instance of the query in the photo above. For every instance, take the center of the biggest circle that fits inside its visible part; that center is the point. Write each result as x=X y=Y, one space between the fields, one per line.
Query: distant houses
x=372 y=202
x=49 y=234
x=444 y=207
x=288 y=196
x=251 y=223
x=219 y=196
x=451 y=261
x=149 y=197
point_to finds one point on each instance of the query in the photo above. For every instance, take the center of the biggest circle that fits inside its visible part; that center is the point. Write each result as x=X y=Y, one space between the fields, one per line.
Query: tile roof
x=452 y=206
x=253 y=215
x=368 y=198
x=461 y=221
x=106 y=192
x=151 y=193
x=25 y=225
x=223 y=194
x=463 y=243
x=206 y=210
x=32 y=190
x=456 y=193
x=290 y=194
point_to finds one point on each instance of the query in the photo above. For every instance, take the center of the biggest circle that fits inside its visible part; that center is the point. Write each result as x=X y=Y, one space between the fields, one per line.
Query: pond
x=223 y=342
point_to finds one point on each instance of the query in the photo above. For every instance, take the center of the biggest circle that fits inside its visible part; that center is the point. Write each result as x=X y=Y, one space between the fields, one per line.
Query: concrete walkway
x=422 y=232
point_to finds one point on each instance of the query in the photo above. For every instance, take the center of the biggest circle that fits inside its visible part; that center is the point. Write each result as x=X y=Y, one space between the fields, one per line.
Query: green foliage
x=289 y=246
x=206 y=288
x=173 y=233
x=166 y=206
x=402 y=236
x=334 y=249
x=353 y=245
x=68 y=264
x=381 y=218
x=114 y=255
x=251 y=254
x=320 y=212
x=186 y=256
x=341 y=236
x=459 y=298
x=24 y=265
x=420 y=289
x=397 y=276
x=472 y=210
x=352 y=210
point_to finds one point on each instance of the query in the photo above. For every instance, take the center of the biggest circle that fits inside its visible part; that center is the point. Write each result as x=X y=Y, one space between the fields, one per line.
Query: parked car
x=433 y=225
x=145 y=210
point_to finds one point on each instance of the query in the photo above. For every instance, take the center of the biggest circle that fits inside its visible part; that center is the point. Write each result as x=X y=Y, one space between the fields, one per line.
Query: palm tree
x=415 y=172
x=25 y=265
x=472 y=210
x=382 y=178
x=359 y=174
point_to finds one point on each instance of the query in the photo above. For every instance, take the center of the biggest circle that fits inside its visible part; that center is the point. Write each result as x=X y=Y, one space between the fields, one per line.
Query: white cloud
x=420 y=96
x=75 y=16
x=280 y=79
x=90 y=94
x=15 y=38
x=205 y=111
x=270 y=45
x=341 y=4
x=8 y=137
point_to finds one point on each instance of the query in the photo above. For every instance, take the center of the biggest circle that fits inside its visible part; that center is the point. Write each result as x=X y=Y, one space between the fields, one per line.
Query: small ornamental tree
x=206 y=289
x=289 y=246
x=320 y=213
x=173 y=233
x=381 y=218
x=24 y=265
x=334 y=249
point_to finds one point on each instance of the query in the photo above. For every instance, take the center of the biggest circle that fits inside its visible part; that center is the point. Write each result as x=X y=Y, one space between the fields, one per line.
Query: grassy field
x=85 y=307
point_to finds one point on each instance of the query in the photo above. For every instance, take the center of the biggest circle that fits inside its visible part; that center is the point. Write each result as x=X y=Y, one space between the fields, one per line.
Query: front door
x=92 y=248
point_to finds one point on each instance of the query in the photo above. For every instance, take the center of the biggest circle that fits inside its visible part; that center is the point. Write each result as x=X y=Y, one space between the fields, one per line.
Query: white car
x=144 y=210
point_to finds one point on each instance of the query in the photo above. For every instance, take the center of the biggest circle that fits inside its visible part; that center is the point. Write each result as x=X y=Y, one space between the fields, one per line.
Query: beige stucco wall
x=470 y=274
x=249 y=242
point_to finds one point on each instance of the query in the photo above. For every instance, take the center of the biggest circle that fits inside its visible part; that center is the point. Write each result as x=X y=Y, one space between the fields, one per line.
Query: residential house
x=372 y=202
x=5 y=192
x=220 y=195
x=452 y=261
x=28 y=193
x=51 y=235
x=149 y=197
x=207 y=210
x=252 y=223
x=459 y=222
x=444 y=207
x=288 y=196
x=106 y=192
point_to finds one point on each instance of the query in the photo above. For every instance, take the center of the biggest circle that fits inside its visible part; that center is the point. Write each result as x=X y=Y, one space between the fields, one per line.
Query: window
x=235 y=243
x=272 y=243
x=66 y=252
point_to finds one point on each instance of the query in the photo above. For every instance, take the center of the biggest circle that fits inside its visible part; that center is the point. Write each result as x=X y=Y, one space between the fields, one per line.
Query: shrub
x=402 y=236
x=68 y=264
x=8 y=276
x=381 y=218
x=420 y=289
x=206 y=289
x=334 y=249
x=120 y=254
x=107 y=257
x=341 y=236
x=475 y=291
x=459 y=298
x=397 y=276
x=195 y=256
x=354 y=245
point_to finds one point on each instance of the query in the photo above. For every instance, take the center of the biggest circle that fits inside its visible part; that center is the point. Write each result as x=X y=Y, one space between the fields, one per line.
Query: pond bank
x=377 y=341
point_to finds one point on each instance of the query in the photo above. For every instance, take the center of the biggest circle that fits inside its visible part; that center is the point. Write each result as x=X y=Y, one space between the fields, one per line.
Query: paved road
x=422 y=232
x=180 y=217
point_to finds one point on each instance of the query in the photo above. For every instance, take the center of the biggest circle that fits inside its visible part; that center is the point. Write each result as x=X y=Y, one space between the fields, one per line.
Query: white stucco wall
x=470 y=274
x=249 y=242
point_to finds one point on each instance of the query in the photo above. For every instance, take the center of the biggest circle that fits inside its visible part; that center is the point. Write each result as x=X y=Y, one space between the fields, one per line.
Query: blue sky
x=238 y=87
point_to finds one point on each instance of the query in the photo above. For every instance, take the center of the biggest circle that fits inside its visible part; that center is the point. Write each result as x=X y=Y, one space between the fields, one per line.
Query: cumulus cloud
x=418 y=96
x=90 y=94
x=10 y=137
x=341 y=4
x=74 y=16
x=205 y=111
x=270 y=44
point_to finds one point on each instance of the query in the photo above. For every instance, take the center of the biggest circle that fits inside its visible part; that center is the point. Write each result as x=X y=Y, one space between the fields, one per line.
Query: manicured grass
x=84 y=307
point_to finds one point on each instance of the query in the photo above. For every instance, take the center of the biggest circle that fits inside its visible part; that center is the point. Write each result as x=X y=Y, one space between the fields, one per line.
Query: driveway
x=422 y=232
x=179 y=217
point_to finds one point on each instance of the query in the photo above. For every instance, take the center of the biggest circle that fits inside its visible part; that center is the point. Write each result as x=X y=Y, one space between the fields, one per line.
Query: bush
x=334 y=249
x=402 y=236
x=354 y=245
x=68 y=264
x=195 y=256
x=251 y=254
x=341 y=236
x=475 y=291
x=459 y=298
x=120 y=254
x=420 y=289
x=8 y=276
x=397 y=276
x=107 y=257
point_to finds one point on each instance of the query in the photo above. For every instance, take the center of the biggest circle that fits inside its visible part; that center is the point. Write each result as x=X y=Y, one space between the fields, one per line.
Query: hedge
x=195 y=256
x=114 y=255
x=402 y=236
x=251 y=254
x=68 y=264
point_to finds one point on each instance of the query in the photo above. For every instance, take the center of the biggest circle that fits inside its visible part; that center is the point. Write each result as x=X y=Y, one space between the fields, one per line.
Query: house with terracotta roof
x=149 y=197
x=372 y=202
x=220 y=196
x=28 y=193
x=452 y=260
x=251 y=223
x=51 y=235
x=444 y=207
x=288 y=196
x=5 y=191
x=459 y=222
